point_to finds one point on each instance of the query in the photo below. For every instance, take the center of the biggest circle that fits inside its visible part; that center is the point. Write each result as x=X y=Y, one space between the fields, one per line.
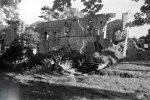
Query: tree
x=91 y=6
x=10 y=13
x=68 y=13
x=33 y=25
x=48 y=14
x=30 y=38
x=142 y=17
x=9 y=3
x=72 y=13
x=8 y=10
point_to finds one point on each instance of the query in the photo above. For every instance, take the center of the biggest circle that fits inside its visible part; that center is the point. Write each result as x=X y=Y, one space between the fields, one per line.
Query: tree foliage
x=30 y=38
x=68 y=13
x=9 y=3
x=91 y=6
x=48 y=14
x=71 y=13
x=8 y=11
x=142 y=17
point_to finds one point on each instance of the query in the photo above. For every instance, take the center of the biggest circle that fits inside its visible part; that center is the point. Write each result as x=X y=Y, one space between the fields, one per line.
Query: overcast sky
x=31 y=9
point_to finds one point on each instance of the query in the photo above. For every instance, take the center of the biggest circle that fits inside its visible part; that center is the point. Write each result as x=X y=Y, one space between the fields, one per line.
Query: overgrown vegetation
x=19 y=58
x=30 y=38
x=142 y=17
x=91 y=6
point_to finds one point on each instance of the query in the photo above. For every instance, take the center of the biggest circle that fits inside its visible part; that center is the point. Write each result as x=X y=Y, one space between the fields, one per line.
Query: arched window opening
x=89 y=27
x=46 y=35
x=66 y=29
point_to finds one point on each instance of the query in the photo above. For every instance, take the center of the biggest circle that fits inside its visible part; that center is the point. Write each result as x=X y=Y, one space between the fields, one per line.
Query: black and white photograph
x=74 y=49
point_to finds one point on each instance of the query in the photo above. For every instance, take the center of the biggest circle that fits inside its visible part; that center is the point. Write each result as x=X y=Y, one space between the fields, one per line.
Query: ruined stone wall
x=10 y=35
x=131 y=49
x=136 y=53
x=75 y=36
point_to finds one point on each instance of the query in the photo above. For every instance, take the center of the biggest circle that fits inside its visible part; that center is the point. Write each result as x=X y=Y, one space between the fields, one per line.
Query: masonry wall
x=132 y=50
x=136 y=53
x=75 y=37
x=10 y=35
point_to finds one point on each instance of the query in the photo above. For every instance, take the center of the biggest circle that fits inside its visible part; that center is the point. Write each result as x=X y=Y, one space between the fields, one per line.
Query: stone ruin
x=80 y=35
x=135 y=52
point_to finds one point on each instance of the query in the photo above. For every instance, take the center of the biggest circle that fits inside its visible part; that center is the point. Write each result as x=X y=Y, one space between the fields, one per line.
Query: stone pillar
x=124 y=19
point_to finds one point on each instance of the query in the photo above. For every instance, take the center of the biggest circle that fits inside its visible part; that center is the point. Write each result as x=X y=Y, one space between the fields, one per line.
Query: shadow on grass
x=50 y=91
x=46 y=91
x=135 y=70
x=138 y=62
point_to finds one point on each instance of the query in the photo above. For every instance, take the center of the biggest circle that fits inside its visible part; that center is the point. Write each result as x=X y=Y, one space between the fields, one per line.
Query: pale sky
x=31 y=9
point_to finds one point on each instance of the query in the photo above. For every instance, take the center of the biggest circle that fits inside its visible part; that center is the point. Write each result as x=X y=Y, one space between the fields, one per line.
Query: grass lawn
x=106 y=86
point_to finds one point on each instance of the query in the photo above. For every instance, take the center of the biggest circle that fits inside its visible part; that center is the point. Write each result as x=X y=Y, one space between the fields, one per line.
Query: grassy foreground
x=46 y=86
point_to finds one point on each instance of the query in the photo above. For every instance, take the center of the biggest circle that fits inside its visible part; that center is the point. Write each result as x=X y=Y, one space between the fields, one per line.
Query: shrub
x=31 y=38
x=16 y=58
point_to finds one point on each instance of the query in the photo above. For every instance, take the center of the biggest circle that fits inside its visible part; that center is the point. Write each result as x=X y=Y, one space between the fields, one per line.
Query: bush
x=16 y=58
x=31 y=38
